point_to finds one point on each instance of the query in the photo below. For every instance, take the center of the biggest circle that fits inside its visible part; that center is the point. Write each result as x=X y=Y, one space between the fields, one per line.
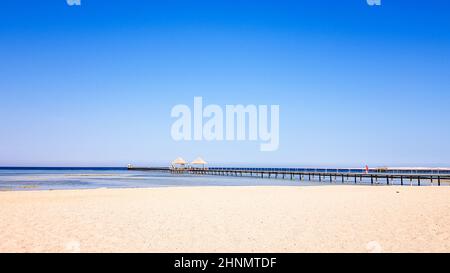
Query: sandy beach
x=228 y=219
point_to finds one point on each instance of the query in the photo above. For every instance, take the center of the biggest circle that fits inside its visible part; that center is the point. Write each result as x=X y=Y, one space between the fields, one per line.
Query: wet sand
x=228 y=219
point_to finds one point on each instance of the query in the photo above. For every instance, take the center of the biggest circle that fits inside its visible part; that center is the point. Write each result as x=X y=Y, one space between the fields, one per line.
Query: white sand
x=228 y=219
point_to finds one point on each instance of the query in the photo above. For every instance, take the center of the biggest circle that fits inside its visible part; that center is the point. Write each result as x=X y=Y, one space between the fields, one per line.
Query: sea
x=64 y=178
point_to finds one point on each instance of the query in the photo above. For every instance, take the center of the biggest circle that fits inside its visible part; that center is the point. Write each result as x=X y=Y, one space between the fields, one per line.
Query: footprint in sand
x=374 y=247
x=73 y=247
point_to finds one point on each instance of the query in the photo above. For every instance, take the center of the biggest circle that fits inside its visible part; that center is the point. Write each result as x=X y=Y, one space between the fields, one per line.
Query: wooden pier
x=337 y=176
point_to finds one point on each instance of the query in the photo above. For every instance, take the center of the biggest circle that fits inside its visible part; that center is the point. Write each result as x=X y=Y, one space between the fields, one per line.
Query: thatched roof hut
x=199 y=161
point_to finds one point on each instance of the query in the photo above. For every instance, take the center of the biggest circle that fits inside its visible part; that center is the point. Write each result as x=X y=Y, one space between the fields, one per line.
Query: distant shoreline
x=60 y=168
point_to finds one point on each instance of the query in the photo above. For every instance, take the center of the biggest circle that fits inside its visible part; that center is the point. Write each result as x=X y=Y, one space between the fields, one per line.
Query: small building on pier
x=179 y=164
x=199 y=163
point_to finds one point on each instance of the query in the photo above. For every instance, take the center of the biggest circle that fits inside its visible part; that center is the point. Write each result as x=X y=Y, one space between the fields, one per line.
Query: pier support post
x=371 y=179
x=439 y=180
x=387 y=179
x=401 y=180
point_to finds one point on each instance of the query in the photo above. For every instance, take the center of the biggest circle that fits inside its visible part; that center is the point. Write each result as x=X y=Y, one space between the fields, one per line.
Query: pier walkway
x=357 y=176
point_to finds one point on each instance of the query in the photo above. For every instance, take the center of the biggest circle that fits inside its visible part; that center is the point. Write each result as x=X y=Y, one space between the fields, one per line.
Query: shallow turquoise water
x=89 y=178
x=54 y=179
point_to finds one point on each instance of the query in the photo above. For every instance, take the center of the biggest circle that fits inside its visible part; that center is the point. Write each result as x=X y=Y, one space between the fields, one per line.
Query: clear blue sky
x=94 y=85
